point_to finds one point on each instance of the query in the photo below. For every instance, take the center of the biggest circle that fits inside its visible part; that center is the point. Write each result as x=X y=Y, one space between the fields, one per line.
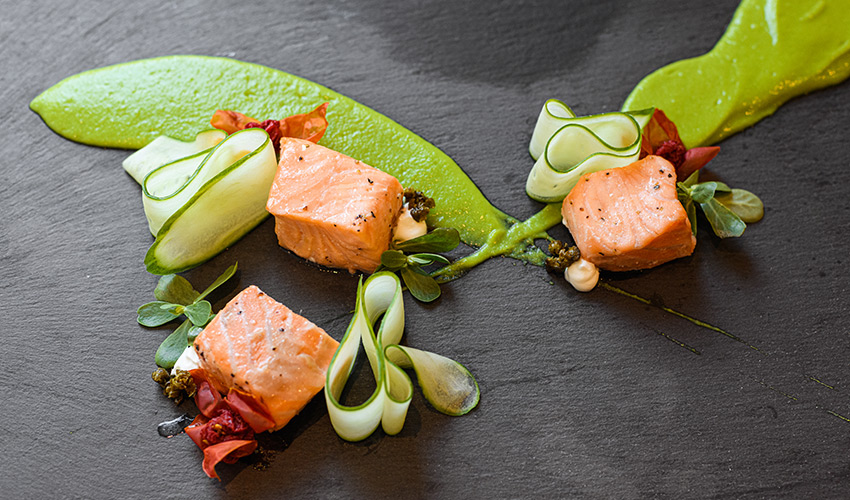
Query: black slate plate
x=583 y=395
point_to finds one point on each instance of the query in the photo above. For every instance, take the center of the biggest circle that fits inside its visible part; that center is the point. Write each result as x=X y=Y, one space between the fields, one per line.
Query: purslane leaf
x=226 y=275
x=421 y=285
x=173 y=346
x=153 y=314
x=393 y=260
x=199 y=313
x=703 y=191
x=175 y=289
x=425 y=259
x=723 y=221
x=439 y=240
x=743 y=203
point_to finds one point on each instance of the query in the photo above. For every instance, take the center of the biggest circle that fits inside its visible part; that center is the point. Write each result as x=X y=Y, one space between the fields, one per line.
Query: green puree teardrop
x=772 y=51
x=128 y=105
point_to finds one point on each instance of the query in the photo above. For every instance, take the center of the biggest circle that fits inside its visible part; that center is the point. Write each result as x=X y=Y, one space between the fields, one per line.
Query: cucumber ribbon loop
x=566 y=147
x=199 y=204
x=446 y=384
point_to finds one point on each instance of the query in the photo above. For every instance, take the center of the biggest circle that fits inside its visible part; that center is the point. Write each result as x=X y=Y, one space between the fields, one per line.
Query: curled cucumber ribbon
x=200 y=204
x=566 y=147
x=446 y=384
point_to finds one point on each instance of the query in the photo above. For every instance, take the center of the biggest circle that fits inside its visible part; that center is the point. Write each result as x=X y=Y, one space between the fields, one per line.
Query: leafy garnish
x=726 y=209
x=175 y=289
x=172 y=347
x=441 y=239
x=153 y=314
x=177 y=297
x=745 y=204
x=419 y=282
x=660 y=137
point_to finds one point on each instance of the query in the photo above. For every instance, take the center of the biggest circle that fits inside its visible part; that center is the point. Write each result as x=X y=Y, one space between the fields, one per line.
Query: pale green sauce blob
x=772 y=51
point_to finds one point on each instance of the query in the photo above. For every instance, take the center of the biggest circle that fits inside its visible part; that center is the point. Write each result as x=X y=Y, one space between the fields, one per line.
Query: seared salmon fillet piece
x=258 y=346
x=332 y=209
x=629 y=217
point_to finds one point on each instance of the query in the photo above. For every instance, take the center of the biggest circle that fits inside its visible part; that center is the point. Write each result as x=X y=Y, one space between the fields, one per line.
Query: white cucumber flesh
x=224 y=198
x=165 y=149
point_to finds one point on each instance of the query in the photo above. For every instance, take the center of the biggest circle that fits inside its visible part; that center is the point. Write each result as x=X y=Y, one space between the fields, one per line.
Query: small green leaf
x=173 y=346
x=425 y=259
x=723 y=221
x=175 y=309
x=721 y=188
x=703 y=191
x=439 y=240
x=691 y=210
x=691 y=180
x=194 y=331
x=154 y=314
x=226 y=275
x=421 y=286
x=175 y=289
x=393 y=260
x=199 y=313
x=743 y=203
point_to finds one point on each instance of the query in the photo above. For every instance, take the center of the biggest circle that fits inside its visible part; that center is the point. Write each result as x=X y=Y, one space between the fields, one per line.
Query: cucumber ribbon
x=446 y=384
x=566 y=147
x=200 y=204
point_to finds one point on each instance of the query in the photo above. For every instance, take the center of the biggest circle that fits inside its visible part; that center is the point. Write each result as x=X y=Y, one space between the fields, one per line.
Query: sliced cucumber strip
x=208 y=208
x=567 y=147
x=446 y=384
x=165 y=149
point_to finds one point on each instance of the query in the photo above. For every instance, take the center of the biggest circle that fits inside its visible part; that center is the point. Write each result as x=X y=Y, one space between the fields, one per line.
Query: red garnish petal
x=230 y=121
x=207 y=399
x=695 y=159
x=656 y=132
x=252 y=411
x=195 y=429
x=228 y=452
x=309 y=126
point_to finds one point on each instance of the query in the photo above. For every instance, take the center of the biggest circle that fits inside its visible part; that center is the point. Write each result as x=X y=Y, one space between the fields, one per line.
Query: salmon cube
x=630 y=217
x=332 y=209
x=258 y=346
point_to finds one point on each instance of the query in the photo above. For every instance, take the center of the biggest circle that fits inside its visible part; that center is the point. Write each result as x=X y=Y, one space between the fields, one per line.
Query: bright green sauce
x=772 y=51
x=129 y=105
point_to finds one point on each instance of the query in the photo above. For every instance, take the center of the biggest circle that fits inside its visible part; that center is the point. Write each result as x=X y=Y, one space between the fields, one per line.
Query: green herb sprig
x=727 y=209
x=176 y=297
x=421 y=285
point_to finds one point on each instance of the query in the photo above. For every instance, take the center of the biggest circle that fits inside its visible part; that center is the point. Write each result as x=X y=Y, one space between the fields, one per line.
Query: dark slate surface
x=583 y=395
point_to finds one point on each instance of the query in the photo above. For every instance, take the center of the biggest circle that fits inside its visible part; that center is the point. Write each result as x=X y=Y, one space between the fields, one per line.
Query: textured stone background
x=582 y=395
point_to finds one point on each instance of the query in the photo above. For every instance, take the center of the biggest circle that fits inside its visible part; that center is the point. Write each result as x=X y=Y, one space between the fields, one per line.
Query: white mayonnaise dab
x=582 y=275
x=187 y=361
x=407 y=228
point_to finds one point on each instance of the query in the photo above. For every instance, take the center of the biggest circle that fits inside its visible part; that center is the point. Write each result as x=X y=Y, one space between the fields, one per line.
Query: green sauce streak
x=772 y=51
x=129 y=105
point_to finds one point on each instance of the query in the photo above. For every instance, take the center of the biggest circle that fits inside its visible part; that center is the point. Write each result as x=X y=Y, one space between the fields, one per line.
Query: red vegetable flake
x=661 y=137
x=272 y=127
x=225 y=426
x=672 y=151
x=309 y=126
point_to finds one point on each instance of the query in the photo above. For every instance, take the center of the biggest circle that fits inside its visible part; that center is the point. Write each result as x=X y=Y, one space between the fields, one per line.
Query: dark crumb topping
x=418 y=205
x=562 y=256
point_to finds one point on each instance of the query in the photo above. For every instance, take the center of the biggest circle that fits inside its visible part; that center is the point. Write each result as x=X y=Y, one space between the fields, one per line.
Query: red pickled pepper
x=226 y=426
